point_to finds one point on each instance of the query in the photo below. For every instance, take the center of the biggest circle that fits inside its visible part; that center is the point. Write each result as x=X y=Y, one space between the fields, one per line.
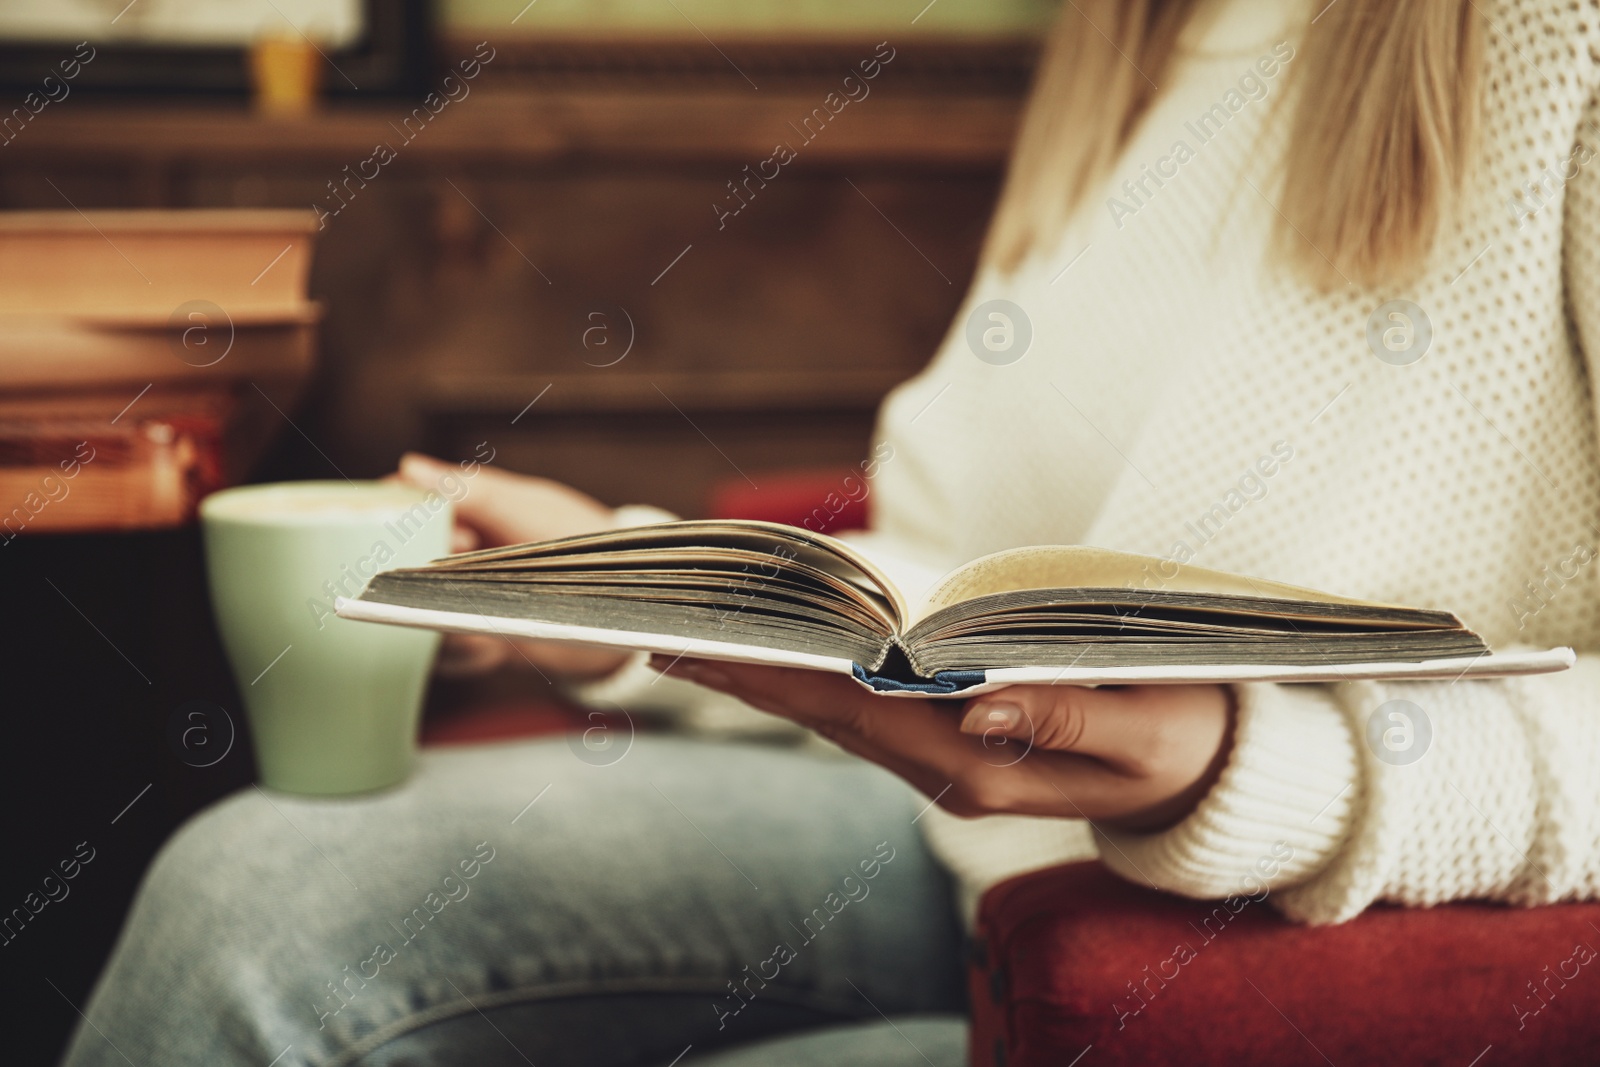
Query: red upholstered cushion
x=500 y=722
x=1074 y=958
x=822 y=500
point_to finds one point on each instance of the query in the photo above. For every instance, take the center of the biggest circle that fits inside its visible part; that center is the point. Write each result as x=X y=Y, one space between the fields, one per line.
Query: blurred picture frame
x=201 y=47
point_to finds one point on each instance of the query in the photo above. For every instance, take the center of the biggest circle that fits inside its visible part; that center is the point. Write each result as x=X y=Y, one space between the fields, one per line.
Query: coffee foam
x=320 y=502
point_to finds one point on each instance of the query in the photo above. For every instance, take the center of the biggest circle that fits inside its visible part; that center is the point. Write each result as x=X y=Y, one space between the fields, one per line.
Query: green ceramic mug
x=332 y=704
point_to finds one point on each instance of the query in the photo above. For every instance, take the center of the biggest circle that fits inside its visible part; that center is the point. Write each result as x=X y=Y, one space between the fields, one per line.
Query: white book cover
x=964 y=683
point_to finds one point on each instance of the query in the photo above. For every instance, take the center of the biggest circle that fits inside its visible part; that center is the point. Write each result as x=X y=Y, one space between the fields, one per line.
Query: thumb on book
x=1109 y=724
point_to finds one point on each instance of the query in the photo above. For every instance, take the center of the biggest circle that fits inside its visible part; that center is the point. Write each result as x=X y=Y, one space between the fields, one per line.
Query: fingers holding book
x=1133 y=758
x=1161 y=747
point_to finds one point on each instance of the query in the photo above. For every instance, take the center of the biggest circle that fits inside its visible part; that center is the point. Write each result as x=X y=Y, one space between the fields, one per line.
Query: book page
x=1087 y=567
x=685 y=542
x=912 y=579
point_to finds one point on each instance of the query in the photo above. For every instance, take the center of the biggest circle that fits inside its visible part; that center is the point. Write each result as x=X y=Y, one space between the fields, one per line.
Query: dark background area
x=457 y=286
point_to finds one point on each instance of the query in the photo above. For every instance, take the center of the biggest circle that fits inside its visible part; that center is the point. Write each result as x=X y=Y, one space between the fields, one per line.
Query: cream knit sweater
x=1171 y=365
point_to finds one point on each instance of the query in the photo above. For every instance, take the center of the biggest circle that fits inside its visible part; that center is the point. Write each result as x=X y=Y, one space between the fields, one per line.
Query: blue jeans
x=722 y=903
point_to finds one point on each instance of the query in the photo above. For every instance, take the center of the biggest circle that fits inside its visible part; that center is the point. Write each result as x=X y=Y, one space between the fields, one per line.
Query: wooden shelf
x=524 y=129
x=615 y=394
x=921 y=64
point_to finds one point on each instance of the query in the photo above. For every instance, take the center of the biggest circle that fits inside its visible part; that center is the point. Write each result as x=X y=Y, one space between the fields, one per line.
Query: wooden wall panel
x=460 y=281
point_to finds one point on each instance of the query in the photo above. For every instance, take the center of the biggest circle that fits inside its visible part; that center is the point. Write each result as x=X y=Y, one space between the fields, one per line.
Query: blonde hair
x=1375 y=150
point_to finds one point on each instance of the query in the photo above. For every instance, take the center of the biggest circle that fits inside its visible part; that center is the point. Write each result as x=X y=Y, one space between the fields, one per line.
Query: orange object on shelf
x=285 y=73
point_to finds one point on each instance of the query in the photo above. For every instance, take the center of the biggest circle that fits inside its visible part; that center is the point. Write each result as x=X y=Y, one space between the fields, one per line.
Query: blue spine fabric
x=943 y=683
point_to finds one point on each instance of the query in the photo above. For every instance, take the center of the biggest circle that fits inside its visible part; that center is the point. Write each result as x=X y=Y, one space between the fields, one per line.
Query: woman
x=1308 y=292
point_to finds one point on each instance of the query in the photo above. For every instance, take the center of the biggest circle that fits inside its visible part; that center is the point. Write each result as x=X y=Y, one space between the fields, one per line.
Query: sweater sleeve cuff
x=640 y=515
x=1278 y=813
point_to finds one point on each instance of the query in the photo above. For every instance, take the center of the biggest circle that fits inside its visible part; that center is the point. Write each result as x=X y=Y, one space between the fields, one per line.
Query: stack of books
x=138 y=350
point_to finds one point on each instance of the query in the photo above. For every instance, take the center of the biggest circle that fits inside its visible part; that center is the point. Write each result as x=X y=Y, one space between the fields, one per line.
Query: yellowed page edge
x=843 y=550
x=472 y=623
x=1045 y=567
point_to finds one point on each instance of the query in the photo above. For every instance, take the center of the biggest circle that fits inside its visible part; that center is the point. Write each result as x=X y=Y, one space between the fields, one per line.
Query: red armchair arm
x=1074 y=957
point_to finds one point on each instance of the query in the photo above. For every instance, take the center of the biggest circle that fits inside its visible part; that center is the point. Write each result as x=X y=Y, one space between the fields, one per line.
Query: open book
x=765 y=593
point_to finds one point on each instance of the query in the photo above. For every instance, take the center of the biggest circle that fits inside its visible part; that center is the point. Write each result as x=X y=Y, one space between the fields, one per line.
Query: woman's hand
x=1132 y=758
x=502 y=508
